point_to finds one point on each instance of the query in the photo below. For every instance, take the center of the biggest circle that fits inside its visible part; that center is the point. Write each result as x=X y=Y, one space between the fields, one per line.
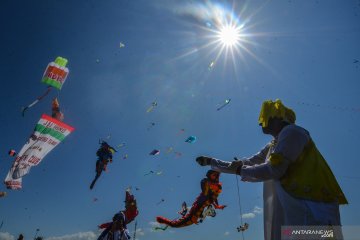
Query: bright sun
x=229 y=35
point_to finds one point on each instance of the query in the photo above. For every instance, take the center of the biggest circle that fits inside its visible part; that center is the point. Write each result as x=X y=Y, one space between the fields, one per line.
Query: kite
x=209 y=211
x=181 y=131
x=210 y=190
x=243 y=227
x=160 y=228
x=105 y=154
x=3 y=194
x=148 y=173
x=211 y=65
x=48 y=133
x=54 y=76
x=117 y=229
x=161 y=201
x=153 y=105
x=55 y=109
x=122 y=45
x=151 y=126
x=183 y=210
x=12 y=152
x=227 y=101
x=154 y=152
x=191 y=139
x=125 y=156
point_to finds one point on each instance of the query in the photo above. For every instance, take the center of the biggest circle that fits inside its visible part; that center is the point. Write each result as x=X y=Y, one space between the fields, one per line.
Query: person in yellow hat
x=299 y=186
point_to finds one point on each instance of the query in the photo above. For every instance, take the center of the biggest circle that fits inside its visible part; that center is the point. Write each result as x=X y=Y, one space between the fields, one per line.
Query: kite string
x=135 y=230
x=238 y=192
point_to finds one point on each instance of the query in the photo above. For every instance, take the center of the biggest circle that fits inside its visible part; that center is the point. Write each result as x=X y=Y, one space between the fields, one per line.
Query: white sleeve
x=231 y=167
x=291 y=142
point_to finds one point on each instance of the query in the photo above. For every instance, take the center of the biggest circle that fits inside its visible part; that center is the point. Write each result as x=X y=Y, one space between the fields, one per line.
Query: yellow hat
x=275 y=108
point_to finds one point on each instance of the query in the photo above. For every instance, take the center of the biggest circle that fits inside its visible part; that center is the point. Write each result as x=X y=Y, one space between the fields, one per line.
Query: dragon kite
x=210 y=190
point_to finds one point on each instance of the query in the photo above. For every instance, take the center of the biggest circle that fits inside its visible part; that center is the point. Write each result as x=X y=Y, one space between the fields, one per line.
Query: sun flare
x=229 y=35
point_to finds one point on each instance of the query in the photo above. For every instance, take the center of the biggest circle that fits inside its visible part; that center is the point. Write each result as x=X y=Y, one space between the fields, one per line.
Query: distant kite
x=227 y=101
x=191 y=139
x=211 y=65
x=155 y=152
x=12 y=152
x=153 y=105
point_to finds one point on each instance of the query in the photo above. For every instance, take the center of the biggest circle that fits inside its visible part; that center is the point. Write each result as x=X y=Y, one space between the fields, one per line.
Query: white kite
x=48 y=133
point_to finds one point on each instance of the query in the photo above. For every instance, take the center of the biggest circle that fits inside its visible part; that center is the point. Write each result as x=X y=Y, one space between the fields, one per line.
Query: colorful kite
x=105 y=155
x=227 y=101
x=191 y=139
x=118 y=227
x=54 y=76
x=210 y=190
x=12 y=152
x=55 y=109
x=48 y=133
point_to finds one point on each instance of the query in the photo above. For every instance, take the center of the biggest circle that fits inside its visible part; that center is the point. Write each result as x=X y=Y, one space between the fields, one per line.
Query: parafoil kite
x=210 y=190
x=54 y=76
x=117 y=229
x=48 y=133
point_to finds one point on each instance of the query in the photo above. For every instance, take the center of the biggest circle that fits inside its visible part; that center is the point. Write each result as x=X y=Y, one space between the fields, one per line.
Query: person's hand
x=203 y=160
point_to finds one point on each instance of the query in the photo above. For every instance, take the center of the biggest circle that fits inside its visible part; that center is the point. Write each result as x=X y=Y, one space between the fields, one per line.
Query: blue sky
x=303 y=52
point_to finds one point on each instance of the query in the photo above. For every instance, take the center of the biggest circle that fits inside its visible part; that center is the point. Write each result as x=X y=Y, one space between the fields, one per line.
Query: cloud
x=154 y=224
x=248 y=215
x=76 y=236
x=6 y=236
x=140 y=232
x=258 y=210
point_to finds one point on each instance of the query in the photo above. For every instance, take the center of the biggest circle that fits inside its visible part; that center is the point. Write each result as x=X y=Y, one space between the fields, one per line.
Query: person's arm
x=235 y=166
x=291 y=143
x=259 y=157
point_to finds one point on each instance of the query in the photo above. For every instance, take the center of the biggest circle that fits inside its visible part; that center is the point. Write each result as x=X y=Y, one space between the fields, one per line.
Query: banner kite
x=47 y=134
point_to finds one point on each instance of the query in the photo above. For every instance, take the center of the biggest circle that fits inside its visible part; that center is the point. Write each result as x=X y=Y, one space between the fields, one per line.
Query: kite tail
x=189 y=219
